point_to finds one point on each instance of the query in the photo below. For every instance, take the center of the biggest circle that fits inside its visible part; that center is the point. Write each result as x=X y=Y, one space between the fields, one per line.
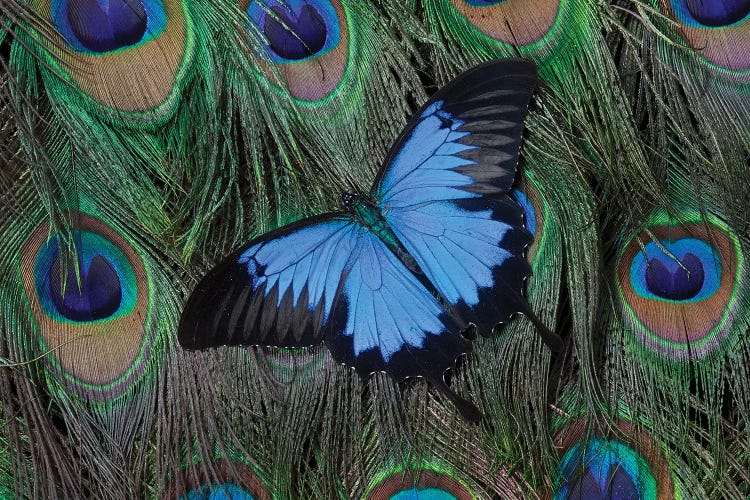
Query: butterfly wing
x=277 y=290
x=444 y=193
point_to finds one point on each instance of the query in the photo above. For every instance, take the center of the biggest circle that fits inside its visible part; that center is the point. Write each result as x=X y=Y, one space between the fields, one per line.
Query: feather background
x=143 y=140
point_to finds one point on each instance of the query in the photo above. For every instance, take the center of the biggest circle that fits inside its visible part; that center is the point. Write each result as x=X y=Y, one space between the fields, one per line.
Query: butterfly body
x=366 y=211
x=390 y=282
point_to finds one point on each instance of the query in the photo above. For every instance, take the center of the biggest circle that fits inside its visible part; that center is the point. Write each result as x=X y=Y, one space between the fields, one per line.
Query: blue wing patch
x=433 y=149
x=471 y=252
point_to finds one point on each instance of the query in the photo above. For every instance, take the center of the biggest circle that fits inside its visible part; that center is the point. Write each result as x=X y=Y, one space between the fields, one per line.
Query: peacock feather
x=622 y=461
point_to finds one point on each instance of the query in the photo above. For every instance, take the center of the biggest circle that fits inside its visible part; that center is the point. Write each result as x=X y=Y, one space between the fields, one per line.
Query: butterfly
x=392 y=280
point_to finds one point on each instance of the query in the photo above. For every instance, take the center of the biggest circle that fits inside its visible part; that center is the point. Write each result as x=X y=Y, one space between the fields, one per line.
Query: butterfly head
x=348 y=199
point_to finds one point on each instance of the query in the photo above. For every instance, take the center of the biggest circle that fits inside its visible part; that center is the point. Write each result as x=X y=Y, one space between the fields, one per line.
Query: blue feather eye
x=100 y=26
x=484 y=3
x=307 y=39
x=679 y=292
x=529 y=212
x=106 y=287
x=629 y=466
x=126 y=59
x=223 y=491
x=230 y=480
x=719 y=31
x=366 y=280
x=610 y=470
x=692 y=272
x=422 y=484
x=714 y=14
x=296 y=30
x=94 y=300
x=515 y=22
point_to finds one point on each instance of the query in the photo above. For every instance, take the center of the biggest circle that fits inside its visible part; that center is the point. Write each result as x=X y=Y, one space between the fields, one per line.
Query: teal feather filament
x=680 y=294
x=295 y=365
x=98 y=315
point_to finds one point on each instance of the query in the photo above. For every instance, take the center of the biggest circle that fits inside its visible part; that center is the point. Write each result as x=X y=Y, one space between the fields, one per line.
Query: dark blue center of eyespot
x=605 y=469
x=104 y=25
x=718 y=12
x=670 y=280
x=96 y=296
x=617 y=485
x=295 y=36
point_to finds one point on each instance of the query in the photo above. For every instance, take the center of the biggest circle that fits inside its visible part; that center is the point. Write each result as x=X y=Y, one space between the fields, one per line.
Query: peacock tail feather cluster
x=143 y=140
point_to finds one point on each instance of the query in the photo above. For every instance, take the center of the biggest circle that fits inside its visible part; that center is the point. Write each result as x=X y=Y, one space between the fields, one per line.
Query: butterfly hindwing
x=471 y=250
x=276 y=290
x=385 y=320
x=443 y=191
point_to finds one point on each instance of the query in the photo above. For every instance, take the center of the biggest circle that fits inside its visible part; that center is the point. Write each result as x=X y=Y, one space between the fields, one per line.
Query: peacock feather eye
x=680 y=291
x=716 y=13
x=719 y=31
x=295 y=31
x=230 y=480
x=483 y=3
x=625 y=464
x=306 y=40
x=517 y=22
x=127 y=56
x=218 y=491
x=611 y=470
x=90 y=296
x=425 y=483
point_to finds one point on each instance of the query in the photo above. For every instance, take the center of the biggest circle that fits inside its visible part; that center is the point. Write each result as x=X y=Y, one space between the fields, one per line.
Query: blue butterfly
x=391 y=281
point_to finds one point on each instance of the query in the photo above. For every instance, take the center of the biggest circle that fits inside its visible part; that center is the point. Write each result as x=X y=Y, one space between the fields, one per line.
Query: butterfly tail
x=553 y=340
x=467 y=409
